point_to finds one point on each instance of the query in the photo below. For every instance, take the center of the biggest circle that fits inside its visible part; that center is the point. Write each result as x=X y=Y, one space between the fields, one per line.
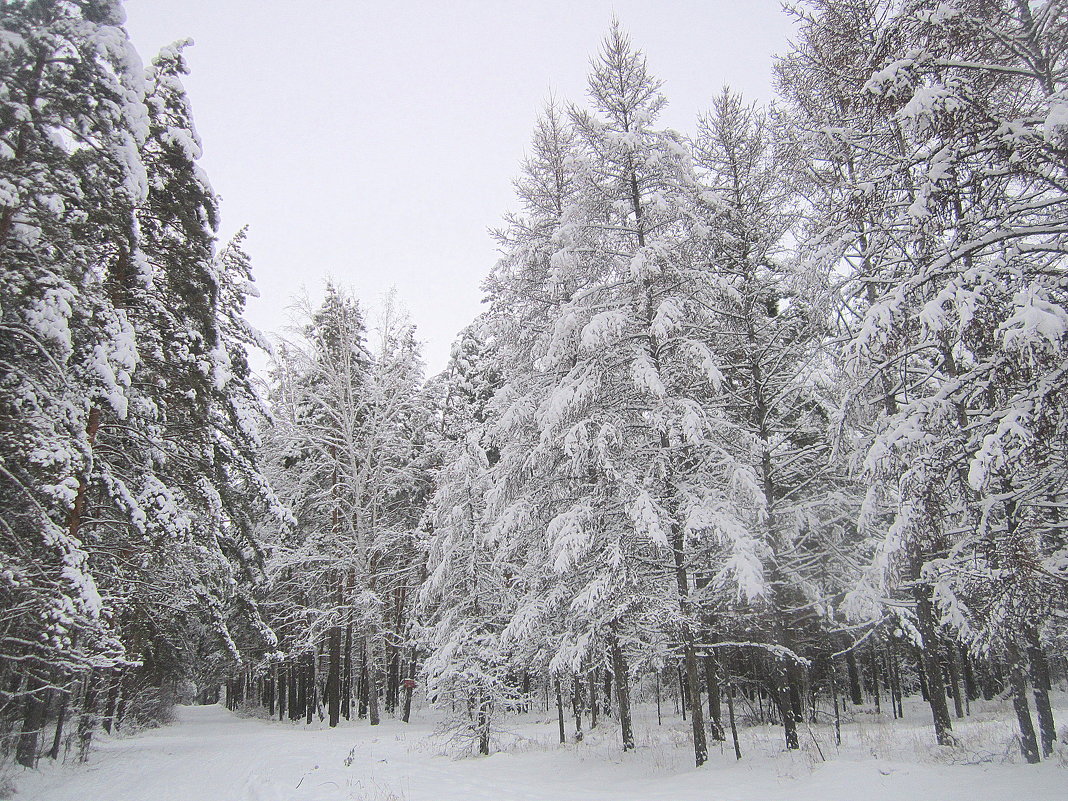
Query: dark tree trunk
x=409 y=688
x=989 y=686
x=576 y=705
x=483 y=725
x=87 y=720
x=622 y=681
x=295 y=694
x=113 y=701
x=302 y=688
x=608 y=692
x=952 y=655
x=970 y=687
x=61 y=718
x=855 y=694
x=372 y=683
x=32 y=720
x=795 y=676
x=333 y=675
x=715 y=710
x=560 y=712
x=873 y=653
x=392 y=677
x=283 y=684
x=936 y=692
x=895 y=681
x=682 y=690
x=781 y=679
x=361 y=710
x=659 y=717
x=837 y=712
x=734 y=725
x=346 y=675
x=310 y=692
x=1028 y=741
x=593 y=698
x=1040 y=681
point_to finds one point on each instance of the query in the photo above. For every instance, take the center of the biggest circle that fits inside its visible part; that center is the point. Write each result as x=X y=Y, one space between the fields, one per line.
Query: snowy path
x=211 y=755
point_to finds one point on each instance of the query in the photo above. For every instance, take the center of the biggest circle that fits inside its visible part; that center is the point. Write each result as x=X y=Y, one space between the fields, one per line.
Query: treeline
x=780 y=402
x=769 y=415
x=773 y=410
x=128 y=418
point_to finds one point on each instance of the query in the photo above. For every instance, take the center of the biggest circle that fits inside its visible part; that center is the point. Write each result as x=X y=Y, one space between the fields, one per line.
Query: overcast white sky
x=376 y=142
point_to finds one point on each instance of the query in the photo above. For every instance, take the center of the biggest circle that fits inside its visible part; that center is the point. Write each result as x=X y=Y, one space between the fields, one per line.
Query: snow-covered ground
x=213 y=755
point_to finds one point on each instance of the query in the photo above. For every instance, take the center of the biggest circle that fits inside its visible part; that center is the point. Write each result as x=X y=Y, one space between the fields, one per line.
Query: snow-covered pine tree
x=70 y=179
x=121 y=419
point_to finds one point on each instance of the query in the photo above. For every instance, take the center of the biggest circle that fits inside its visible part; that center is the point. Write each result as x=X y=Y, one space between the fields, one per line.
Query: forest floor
x=210 y=754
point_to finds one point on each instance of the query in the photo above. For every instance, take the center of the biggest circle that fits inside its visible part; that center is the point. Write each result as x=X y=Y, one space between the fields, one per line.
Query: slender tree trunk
x=693 y=683
x=837 y=712
x=715 y=711
x=372 y=683
x=1041 y=685
x=576 y=704
x=1028 y=740
x=659 y=717
x=333 y=675
x=87 y=720
x=483 y=725
x=361 y=711
x=560 y=712
x=392 y=677
x=622 y=681
x=346 y=674
x=952 y=655
x=409 y=688
x=113 y=701
x=310 y=693
x=734 y=725
x=936 y=692
x=873 y=653
x=895 y=681
x=970 y=688
x=283 y=684
x=593 y=698
x=682 y=689
x=987 y=683
x=296 y=698
x=32 y=721
x=855 y=694
x=608 y=693
x=781 y=678
x=61 y=717
x=921 y=674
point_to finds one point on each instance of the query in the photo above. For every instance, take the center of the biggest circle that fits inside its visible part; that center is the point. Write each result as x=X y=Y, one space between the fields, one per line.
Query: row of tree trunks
x=96 y=697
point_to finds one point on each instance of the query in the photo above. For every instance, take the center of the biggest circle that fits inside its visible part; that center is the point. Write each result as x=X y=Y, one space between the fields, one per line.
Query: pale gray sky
x=377 y=141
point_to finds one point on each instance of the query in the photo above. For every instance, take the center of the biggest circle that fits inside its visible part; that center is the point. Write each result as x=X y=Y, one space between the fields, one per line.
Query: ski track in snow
x=213 y=755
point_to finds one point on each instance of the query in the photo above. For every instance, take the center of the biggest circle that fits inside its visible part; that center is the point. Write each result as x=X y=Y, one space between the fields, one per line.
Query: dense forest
x=767 y=413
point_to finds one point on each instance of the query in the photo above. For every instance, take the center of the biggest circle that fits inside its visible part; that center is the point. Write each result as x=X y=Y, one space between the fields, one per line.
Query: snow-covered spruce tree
x=955 y=314
x=467 y=597
x=769 y=405
x=607 y=426
x=527 y=290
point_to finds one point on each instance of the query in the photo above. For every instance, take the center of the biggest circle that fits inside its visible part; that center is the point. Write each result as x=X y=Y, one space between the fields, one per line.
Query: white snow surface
x=212 y=755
